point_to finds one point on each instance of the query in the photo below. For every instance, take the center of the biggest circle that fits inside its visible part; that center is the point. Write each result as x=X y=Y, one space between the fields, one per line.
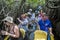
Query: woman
x=11 y=29
x=23 y=22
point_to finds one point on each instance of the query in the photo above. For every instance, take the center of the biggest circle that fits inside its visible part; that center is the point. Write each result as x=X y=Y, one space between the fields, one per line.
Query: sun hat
x=8 y=19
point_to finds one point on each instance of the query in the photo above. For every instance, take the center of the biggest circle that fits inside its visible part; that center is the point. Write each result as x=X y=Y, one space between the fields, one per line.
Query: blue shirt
x=44 y=25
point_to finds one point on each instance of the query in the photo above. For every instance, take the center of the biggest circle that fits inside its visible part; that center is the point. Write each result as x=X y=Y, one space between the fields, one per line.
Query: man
x=11 y=29
x=45 y=23
x=31 y=15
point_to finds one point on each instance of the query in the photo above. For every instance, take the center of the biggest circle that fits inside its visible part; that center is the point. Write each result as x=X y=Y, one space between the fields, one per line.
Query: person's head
x=26 y=14
x=8 y=20
x=41 y=11
x=30 y=10
x=29 y=16
x=36 y=15
x=23 y=16
x=44 y=16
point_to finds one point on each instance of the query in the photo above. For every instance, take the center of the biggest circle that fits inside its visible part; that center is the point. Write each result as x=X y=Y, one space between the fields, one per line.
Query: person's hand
x=51 y=33
x=4 y=32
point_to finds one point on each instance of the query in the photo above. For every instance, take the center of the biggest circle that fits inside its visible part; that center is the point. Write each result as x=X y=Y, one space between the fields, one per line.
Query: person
x=39 y=7
x=11 y=29
x=23 y=22
x=33 y=25
x=31 y=15
x=30 y=11
x=37 y=17
x=45 y=23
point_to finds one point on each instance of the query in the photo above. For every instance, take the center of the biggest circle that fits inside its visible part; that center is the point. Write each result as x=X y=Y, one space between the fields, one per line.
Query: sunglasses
x=5 y=21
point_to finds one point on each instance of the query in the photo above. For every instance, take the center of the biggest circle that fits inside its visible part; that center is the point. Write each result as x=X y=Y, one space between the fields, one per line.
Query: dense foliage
x=15 y=7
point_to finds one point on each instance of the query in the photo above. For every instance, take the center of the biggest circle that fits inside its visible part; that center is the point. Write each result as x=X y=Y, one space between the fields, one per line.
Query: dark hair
x=29 y=16
x=36 y=15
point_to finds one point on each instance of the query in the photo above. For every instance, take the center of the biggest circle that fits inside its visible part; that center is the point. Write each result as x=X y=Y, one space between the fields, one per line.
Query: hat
x=26 y=13
x=8 y=19
x=30 y=9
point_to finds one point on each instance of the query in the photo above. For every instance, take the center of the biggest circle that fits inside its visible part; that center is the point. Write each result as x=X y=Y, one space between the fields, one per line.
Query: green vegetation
x=14 y=7
x=35 y=3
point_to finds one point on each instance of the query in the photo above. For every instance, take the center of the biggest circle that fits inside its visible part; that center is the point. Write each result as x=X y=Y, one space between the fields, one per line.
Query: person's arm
x=50 y=30
x=20 y=20
x=16 y=33
x=49 y=26
x=38 y=27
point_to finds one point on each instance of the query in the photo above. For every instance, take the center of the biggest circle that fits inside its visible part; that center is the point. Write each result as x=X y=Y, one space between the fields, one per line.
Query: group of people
x=29 y=22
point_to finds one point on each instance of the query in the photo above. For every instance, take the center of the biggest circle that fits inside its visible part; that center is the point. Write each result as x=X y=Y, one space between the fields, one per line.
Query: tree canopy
x=14 y=7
